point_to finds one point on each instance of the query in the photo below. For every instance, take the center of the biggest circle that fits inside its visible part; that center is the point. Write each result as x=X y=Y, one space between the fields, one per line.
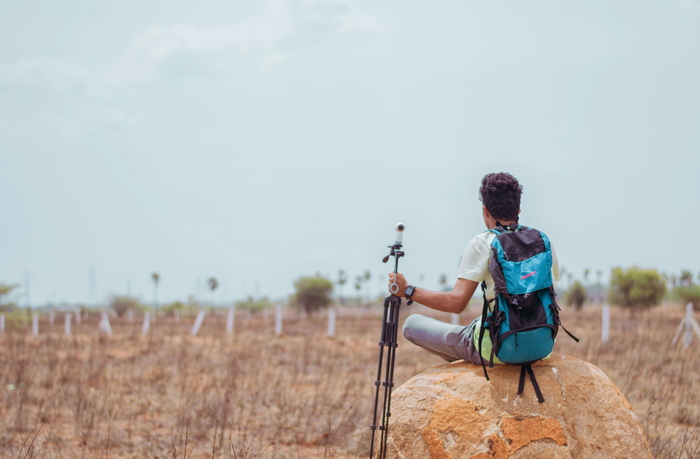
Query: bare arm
x=453 y=301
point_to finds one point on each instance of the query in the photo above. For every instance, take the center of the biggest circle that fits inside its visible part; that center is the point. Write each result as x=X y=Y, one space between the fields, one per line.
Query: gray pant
x=451 y=342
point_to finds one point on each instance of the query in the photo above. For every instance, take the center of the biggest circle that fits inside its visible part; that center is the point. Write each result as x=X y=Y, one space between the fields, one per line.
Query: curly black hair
x=500 y=193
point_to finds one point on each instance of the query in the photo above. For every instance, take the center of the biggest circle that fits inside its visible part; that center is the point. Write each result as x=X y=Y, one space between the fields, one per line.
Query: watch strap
x=408 y=293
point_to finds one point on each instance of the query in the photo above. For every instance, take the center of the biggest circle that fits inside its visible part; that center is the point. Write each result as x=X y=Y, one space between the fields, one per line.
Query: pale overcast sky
x=261 y=141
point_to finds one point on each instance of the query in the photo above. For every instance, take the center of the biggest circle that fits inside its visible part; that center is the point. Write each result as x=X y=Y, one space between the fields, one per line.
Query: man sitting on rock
x=500 y=194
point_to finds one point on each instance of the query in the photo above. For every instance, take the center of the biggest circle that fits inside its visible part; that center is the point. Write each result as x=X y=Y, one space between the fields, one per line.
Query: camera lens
x=399 y=227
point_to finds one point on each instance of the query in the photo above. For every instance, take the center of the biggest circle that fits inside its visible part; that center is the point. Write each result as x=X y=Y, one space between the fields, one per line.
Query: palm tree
x=358 y=287
x=342 y=280
x=155 y=277
x=686 y=278
x=213 y=284
x=367 y=277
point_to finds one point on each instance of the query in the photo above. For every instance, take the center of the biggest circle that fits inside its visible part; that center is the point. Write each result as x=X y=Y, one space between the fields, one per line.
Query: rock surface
x=452 y=411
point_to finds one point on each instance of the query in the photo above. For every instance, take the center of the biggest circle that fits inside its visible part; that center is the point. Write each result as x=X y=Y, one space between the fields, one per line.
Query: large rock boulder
x=452 y=411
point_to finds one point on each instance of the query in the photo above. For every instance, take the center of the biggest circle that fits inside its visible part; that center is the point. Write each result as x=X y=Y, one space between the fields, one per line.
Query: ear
x=487 y=214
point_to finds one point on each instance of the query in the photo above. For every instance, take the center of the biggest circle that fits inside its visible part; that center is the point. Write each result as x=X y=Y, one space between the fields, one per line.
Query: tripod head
x=396 y=253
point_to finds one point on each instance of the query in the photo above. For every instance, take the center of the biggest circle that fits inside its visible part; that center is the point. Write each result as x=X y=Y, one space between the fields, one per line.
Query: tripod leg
x=392 y=344
x=377 y=382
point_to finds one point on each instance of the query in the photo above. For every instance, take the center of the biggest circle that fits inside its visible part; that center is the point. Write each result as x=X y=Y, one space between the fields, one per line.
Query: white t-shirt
x=475 y=261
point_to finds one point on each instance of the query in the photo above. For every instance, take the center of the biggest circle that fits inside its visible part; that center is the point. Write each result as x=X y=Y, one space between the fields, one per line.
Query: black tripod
x=388 y=343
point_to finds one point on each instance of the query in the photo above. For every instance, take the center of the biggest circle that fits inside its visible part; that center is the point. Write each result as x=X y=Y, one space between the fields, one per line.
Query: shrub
x=5 y=290
x=576 y=295
x=121 y=304
x=170 y=309
x=254 y=305
x=313 y=293
x=687 y=294
x=636 y=288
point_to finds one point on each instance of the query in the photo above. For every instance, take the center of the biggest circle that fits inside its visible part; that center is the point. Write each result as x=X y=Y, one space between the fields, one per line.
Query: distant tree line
x=630 y=288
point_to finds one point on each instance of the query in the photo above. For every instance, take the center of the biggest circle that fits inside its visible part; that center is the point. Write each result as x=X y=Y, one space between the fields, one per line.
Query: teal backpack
x=524 y=320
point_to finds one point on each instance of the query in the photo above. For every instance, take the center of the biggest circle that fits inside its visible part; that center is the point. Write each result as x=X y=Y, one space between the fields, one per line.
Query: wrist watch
x=408 y=293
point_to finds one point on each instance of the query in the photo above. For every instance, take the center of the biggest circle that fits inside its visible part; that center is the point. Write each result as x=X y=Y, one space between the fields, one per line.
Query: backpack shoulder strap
x=482 y=330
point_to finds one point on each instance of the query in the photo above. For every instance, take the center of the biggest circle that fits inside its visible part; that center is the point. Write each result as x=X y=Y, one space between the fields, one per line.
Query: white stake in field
x=105 y=326
x=198 y=323
x=66 y=323
x=331 y=322
x=146 y=324
x=689 y=325
x=278 y=321
x=605 y=332
x=230 y=319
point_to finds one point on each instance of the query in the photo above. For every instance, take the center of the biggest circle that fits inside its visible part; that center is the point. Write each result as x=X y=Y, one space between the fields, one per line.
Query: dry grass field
x=298 y=395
